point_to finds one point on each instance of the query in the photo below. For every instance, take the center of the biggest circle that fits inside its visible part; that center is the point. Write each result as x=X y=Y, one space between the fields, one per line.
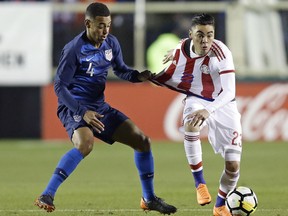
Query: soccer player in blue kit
x=79 y=85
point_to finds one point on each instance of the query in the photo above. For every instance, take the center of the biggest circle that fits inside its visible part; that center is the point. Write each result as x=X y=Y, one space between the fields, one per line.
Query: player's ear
x=87 y=23
x=190 y=34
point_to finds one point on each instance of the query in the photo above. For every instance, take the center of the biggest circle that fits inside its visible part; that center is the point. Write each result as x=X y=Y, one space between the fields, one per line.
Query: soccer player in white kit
x=203 y=69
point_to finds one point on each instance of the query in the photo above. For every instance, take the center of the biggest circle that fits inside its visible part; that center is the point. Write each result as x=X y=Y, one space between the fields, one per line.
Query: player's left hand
x=145 y=75
x=198 y=117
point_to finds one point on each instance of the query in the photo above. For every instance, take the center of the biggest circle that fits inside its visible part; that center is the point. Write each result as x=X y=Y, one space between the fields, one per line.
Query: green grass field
x=106 y=182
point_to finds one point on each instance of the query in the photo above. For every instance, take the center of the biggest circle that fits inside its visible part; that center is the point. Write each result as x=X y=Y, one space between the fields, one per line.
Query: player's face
x=98 y=29
x=202 y=36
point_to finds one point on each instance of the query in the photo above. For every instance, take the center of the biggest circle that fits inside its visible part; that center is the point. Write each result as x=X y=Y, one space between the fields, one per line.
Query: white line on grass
x=123 y=210
x=97 y=210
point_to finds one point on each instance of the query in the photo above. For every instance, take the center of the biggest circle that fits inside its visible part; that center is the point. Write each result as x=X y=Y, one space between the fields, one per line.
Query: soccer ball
x=241 y=201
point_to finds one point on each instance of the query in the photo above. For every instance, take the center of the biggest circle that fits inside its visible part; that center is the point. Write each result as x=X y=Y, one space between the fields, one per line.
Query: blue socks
x=145 y=165
x=65 y=167
x=198 y=178
x=219 y=201
x=143 y=160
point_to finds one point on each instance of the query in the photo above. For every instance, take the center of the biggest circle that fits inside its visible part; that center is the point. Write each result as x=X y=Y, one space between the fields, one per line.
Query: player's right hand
x=92 y=118
x=145 y=75
x=168 y=57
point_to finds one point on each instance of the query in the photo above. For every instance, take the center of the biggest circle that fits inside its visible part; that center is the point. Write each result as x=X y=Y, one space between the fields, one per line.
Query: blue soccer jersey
x=82 y=73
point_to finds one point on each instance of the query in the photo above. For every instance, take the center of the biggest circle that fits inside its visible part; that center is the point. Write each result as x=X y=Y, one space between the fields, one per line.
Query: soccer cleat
x=221 y=211
x=203 y=195
x=45 y=202
x=157 y=204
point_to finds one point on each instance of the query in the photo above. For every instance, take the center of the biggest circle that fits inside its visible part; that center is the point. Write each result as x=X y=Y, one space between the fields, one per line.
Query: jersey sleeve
x=227 y=63
x=227 y=94
x=228 y=80
x=227 y=77
x=64 y=75
x=120 y=69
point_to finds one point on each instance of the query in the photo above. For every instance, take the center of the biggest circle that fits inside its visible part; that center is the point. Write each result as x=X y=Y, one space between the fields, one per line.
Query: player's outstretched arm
x=145 y=75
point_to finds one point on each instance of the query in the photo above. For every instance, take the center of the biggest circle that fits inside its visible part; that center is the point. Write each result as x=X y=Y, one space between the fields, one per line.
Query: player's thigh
x=129 y=134
x=191 y=105
x=225 y=140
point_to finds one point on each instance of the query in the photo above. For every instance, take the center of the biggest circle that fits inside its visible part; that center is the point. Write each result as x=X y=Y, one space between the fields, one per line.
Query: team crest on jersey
x=205 y=69
x=77 y=118
x=188 y=110
x=108 y=54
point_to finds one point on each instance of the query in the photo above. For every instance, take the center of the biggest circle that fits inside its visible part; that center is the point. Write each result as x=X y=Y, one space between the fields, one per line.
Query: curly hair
x=97 y=9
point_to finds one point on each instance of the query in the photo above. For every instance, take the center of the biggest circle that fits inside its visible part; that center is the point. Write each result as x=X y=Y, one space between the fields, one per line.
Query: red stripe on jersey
x=187 y=76
x=207 y=83
x=170 y=71
x=218 y=52
x=227 y=71
x=195 y=167
x=169 y=86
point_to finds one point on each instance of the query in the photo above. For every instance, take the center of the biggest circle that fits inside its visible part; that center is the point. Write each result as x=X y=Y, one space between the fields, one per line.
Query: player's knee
x=232 y=166
x=144 y=143
x=190 y=128
x=85 y=146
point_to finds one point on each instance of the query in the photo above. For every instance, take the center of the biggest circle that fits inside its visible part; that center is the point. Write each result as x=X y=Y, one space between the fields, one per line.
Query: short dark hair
x=203 y=19
x=97 y=9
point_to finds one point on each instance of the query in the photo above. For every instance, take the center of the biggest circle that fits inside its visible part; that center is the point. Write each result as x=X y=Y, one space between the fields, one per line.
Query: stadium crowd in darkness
x=66 y=25
x=123 y=28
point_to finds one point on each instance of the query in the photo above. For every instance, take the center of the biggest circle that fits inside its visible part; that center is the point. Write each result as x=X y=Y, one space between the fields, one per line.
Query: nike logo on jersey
x=89 y=58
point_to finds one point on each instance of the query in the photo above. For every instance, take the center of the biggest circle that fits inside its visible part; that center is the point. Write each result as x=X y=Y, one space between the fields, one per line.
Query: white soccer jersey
x=199 y=76
x=209 y=83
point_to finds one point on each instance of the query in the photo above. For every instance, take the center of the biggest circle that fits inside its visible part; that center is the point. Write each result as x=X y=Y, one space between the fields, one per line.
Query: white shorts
x=224 y=127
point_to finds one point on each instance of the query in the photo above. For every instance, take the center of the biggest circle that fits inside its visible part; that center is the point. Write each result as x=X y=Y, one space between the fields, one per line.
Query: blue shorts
x=112 y=119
